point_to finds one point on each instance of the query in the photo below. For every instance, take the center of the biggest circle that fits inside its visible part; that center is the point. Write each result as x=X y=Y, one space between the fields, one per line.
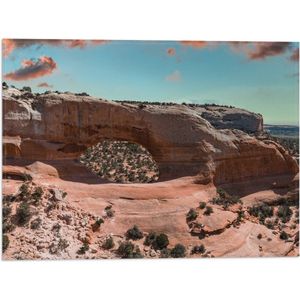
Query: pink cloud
x=31 y=69
x=9 y=45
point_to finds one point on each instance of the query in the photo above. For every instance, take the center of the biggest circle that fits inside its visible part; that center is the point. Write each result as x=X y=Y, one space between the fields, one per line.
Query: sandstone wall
x=183 y=143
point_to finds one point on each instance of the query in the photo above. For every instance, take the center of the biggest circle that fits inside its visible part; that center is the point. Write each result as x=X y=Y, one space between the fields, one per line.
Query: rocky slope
x=49 y=218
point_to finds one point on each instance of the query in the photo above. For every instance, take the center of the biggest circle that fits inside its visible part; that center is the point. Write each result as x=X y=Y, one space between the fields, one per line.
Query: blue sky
x=260 y=77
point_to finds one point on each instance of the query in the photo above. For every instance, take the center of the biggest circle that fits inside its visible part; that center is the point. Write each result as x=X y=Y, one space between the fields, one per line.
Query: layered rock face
x=184 y=141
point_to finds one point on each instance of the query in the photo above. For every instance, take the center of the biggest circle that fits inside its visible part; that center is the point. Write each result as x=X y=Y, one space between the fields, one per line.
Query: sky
x=262 y=77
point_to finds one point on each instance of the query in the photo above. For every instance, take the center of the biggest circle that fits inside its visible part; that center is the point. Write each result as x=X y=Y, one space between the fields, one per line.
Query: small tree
x=109 y=243
x=202 y=205
x=23 y=214
x=191 y=215
x=128 y=250
x=209 y=210
x=178 y=251
x=97 y=224
x=5 y=243
x=198 y=249
x=134 y=233
x=26 y=89
x=283 y=235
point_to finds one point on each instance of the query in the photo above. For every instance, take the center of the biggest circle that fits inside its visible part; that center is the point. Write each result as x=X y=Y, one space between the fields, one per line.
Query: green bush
x=23 y=214
x=6 y=211
x=161 y=241
x=283 y=235
x=134 y=233
x=198 y=249
x=262 y=212
x=7 y=226
x=165 y=253
x=97 y=224
x=5 y=242
x=226 y=202
x=109 y=212
x=191 y=215
x=209 y=210
x=109 y=243
x=36 y=196
x=202 y=205
x=128 y=250
x=26 y=89
x=24 y=191
x=150 y=239
x=157 y=241
x=221 y=192
x=284 y=213
x=178 y=251
x=85 y=247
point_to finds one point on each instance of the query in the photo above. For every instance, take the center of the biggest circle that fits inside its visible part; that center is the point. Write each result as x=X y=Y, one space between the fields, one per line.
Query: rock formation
x=54 y=208
x=184 y=141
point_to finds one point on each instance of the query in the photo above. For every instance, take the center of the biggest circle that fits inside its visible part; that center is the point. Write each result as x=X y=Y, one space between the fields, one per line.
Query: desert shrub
x=202 y=205
x=109 y=212
x=134 y=233
x=36 y=223
x=269 y=224
x=178 y=251
x=5 y=242
x=26 y=89
x=6 y=211
x=262 y=212
x=109 y=243
x=8 y=198
x=209 y=210
x=7 y=226
x=128 y=250
x=84 y=248
x=23 y=214
x=165 y=253
x=97 y=224
x=150 y=239
x=284 y=213
x=161 y=241
x=283 y=235
x=24 y=191
x=221 y=192
x=191 y=215
x=36 y=196
x=226 y=202
x=198 y=249
x=157 y=241
x=82 y=94
x=63 y=244
x=259 y=236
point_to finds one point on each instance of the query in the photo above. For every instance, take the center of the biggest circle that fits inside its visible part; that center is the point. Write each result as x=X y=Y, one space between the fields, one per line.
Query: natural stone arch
x=60 y=126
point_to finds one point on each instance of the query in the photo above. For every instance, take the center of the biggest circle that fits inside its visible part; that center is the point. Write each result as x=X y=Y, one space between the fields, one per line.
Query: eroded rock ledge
x=184 y=141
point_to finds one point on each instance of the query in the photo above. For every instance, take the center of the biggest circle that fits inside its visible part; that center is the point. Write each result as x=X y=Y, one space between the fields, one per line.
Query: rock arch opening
x=121 y=162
